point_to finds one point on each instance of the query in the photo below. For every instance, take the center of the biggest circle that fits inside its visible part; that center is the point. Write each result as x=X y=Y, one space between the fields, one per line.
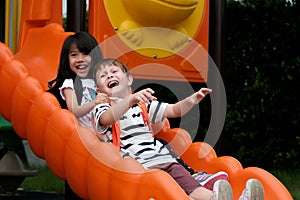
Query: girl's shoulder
x=68 y=80
x=68 y=83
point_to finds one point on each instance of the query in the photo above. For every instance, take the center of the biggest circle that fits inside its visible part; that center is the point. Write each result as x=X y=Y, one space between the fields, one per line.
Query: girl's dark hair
x=86 y=44
x=108 y=62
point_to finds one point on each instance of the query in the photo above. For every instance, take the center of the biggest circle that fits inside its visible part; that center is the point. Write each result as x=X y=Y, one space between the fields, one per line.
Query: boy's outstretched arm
x=182 y=107
x=115 y=112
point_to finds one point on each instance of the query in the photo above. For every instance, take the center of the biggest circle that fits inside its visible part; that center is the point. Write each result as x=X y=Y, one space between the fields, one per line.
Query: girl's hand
x=143 y=96
x=101 y=98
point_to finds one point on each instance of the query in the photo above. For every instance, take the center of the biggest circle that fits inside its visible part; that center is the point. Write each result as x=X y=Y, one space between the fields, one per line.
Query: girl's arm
x=81 y=110
x=117 y=110
x=182 y=107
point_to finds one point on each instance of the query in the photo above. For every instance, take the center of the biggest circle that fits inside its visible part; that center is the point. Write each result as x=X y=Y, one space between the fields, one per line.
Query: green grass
x=44 y=181
x=47 y=181
x=291 y=180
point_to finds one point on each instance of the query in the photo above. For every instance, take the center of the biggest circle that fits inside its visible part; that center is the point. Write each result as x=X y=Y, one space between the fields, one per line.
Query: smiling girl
x=74 y=86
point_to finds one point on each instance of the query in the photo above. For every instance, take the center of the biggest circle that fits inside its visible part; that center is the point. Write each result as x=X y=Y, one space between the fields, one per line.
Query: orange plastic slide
x=94 y=169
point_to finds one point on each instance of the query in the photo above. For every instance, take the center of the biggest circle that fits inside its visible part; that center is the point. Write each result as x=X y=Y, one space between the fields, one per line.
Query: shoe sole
x=224 y=190
x=255 y=189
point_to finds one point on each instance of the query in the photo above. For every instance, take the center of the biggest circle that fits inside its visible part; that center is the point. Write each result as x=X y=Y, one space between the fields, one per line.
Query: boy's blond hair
x=110 y=62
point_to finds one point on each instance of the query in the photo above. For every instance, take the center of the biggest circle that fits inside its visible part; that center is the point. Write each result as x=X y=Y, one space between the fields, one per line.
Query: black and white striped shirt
x=136 y=137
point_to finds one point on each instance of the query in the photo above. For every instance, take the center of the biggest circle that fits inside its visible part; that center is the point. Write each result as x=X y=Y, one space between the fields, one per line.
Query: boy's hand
x=101 y=98
x=143 y=96
x=198 y=96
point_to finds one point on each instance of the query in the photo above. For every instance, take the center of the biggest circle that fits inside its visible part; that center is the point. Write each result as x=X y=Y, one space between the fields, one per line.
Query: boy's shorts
x=186 y=181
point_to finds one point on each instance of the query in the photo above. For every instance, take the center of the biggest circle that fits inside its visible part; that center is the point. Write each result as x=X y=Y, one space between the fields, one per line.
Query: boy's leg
x=222 y=191
x=201 y=193
x=205 y=179
x=188 y=183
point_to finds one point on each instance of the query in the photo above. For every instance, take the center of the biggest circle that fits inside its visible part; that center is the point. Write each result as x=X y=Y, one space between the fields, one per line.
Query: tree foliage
x=261 y=75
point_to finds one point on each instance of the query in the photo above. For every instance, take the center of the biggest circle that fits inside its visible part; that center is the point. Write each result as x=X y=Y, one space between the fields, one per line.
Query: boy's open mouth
x=112 y=84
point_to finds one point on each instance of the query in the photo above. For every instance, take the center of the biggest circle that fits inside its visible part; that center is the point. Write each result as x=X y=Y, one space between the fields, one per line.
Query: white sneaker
x=222 y=190
x=253 y=191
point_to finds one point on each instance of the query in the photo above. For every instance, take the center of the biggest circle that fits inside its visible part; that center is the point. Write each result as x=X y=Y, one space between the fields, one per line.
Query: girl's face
x=80 y=63
x=113 y=81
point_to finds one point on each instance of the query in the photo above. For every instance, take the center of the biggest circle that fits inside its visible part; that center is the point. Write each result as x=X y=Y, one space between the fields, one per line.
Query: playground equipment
x=94 y=169
x=12 y=169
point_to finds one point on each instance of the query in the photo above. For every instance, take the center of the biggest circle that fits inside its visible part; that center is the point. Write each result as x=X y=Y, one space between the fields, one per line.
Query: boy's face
x=112 y=81
x=80 y=63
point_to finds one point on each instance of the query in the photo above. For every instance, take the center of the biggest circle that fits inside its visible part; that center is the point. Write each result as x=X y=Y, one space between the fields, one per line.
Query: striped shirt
x=136 y=137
